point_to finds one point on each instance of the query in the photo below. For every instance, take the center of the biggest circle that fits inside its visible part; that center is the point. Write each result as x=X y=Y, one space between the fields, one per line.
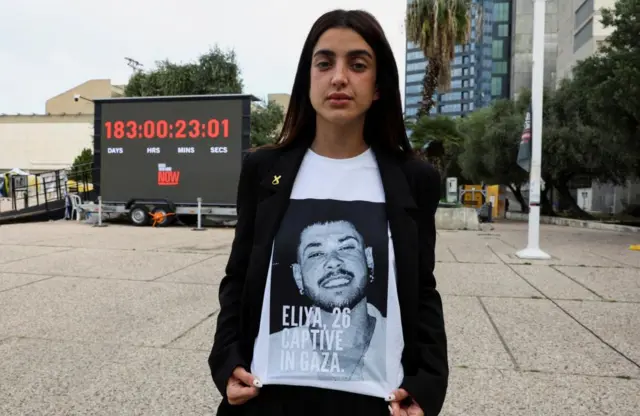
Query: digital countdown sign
x=171 y=148
x=163 y=129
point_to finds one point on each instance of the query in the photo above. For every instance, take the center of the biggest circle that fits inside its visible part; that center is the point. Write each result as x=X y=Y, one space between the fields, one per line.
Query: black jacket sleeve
x=225 y=355
x=428 y=386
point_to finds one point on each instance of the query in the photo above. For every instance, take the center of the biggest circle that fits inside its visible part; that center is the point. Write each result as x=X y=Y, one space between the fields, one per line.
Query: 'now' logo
x=167 y=176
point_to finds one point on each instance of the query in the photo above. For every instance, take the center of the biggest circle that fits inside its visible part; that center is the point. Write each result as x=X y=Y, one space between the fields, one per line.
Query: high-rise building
x=480 y=71
x=580 y=32
x=522 y=43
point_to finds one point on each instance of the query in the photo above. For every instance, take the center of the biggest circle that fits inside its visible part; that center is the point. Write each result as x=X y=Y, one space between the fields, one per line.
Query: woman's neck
x=339 y=141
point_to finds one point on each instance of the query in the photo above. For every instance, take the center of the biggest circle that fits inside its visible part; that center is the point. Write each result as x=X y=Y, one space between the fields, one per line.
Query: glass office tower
x=479 y=72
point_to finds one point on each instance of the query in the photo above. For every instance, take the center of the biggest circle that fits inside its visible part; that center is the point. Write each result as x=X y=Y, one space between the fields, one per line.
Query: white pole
x=100 y=223
x=199 y=212
x=533 y=250
x=199 y=227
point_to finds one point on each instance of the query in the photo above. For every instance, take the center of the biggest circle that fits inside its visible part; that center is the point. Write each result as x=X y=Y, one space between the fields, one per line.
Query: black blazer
x=412 y=191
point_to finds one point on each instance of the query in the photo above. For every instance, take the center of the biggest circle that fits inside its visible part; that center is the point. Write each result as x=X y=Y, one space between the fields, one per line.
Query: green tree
x=215 y=72
x=440 y=141
x=575 y=147
x=492 y=137
x=610 y=80
x=437 y=26
x=82 y=167
x=265 y=122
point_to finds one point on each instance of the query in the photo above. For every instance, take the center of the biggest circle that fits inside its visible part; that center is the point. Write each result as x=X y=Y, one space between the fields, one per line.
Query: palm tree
x=436 y=27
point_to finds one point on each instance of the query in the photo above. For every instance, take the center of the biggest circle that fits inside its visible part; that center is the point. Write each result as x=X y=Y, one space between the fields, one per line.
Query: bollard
x=199 y=227
x=99 y=224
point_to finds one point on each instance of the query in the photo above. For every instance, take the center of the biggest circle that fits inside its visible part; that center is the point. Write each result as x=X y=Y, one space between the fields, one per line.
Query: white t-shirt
x=330 y=316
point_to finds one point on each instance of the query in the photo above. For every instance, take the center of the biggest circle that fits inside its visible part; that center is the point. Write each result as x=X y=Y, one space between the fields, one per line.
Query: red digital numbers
x=163 y=129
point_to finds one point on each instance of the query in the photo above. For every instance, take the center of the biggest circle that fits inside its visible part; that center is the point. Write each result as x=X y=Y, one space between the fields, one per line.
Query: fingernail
x=391 y=397
x=390 y=410
x=257 y=383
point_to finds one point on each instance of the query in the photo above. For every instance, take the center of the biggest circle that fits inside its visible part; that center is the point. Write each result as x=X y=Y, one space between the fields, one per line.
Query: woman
x=329 y=304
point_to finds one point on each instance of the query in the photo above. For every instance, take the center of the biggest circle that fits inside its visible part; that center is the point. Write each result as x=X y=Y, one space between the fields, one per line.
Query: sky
x=48 y=47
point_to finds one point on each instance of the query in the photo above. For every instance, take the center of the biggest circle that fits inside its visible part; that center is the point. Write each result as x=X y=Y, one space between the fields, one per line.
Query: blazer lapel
x=277 y=184
x=400 y=203
x=275 y=192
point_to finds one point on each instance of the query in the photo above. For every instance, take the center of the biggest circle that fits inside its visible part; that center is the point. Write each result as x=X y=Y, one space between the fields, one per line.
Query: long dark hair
x=384 y=125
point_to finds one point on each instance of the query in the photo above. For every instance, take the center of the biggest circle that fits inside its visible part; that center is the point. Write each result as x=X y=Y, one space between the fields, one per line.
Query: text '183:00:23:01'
x=162 y=129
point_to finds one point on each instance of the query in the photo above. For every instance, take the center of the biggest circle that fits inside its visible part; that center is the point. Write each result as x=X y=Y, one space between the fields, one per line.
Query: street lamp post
x=533 y=251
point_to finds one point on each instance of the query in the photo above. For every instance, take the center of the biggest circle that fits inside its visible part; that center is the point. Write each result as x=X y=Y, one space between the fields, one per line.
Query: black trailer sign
x=171 y=148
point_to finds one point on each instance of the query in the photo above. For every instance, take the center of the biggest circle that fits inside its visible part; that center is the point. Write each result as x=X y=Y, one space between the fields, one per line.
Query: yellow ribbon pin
x=276 y=179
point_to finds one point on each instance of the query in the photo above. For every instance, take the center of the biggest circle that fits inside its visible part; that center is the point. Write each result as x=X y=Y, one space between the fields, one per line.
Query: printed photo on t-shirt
x=329 y=283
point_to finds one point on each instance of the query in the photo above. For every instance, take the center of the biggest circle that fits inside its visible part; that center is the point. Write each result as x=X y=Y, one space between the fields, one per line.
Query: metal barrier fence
x=41 y=189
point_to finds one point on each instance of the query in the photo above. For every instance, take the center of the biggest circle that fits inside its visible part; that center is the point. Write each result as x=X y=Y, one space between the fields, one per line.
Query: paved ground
x=119 y=321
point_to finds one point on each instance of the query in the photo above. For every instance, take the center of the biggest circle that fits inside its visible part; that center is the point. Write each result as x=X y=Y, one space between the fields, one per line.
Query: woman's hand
x=242 y=387
x=401 y=404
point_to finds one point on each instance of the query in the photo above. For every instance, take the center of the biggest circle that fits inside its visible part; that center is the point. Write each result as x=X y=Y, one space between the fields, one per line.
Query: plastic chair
x=75 y=206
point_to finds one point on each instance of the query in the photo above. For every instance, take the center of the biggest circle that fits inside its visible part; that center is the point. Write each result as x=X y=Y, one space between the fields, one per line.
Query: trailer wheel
x=139 y=215
x=161 y=216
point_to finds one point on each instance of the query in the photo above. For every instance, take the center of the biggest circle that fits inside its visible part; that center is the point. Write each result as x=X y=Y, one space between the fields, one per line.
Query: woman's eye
x=323 y=64
x=358 y=66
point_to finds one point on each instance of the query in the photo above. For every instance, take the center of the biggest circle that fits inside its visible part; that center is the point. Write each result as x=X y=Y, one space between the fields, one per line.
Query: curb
x=569 y=222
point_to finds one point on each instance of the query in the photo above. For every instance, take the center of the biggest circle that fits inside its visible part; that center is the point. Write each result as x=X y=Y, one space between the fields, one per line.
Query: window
x=583 y=35
x=413 y=99
x=451 y=96
x=450 y=108
x=468 y=83
x=416 y=66
x=499 y=67
x=503 y=30
x=497 y=49
x=414 y=55
x=496 y=86
x=468 y=107
x=500 y=12
x=414 y=77
x=583 y=13
x=411 y=111
x=414 y=89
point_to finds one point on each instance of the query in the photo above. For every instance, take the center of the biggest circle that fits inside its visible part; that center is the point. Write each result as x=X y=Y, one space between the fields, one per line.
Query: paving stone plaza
x=119 y=320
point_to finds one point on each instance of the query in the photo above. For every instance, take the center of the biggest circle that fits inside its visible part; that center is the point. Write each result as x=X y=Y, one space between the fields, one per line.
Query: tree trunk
x=545 y=204
x=517 y=193
x=429 y=85
x=574 y=209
